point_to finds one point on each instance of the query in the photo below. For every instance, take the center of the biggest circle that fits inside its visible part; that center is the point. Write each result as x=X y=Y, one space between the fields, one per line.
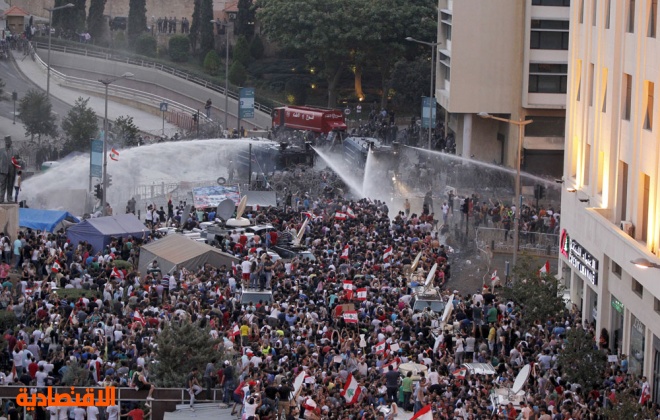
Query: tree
x=95 y=20
x=627 y=406
x=69 y=20
x=181 y=346
x=580 y=359
x=212 y=63
x=2 y=87
x=194 y=25
x=257 y=48
x=80 y=125
x=36 y=113
x=245 y=19
x=409 y=80
x=137 y=18
x=179 y=48
x=295 y=91
x=538 y=297
x=206 y=37
x=76 y=375
x=237 y=73
x=241 y=51
x=126 y=131
x=146 y=44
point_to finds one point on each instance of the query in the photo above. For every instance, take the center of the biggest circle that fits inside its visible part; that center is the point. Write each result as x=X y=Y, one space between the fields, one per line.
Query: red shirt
x=136 y=414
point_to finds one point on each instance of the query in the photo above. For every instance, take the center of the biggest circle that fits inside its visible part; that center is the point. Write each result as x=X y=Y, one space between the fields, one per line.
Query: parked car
x=289 y=253
x=118 y=23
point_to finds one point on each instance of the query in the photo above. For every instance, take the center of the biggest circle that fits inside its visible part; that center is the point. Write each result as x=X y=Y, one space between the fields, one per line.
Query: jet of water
x=337 y=165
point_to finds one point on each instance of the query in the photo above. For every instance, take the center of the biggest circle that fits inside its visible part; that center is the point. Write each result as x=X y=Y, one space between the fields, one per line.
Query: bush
x=242 y=51
x=257 y=48
x=119 y=40
x=146 y=45
x=179 y=48
x=123 y=265
x=237 y=74
x=75 y=294
x=295 y=91
x=212 y=63
x=7 y=320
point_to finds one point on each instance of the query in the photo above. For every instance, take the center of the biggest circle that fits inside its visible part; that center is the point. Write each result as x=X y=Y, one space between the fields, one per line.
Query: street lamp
x=226 y=24
x=433 y=46
x=643 y=263
x=521 y=133
x=50 y=30
x=107 y=82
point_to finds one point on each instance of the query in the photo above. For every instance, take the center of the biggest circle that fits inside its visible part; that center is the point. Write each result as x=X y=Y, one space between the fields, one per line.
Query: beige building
x=611 y=204
x=507 y=58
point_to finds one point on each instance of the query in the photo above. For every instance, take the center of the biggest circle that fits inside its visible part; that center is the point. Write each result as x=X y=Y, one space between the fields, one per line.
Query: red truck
x=317 y=120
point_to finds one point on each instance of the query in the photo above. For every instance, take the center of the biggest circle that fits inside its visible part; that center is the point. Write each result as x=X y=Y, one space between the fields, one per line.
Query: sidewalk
x=143 y=120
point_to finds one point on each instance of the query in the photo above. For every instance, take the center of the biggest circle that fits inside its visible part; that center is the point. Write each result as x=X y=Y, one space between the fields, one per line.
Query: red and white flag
x=56 y=267
x=387 y=254
x=460 y=373
x=362 y=293
x=344 y=253
x=15 y=162
x=380 y=347
x=348 y=294
x=137 y=317
x=493 y=276
x=340 y=216
x=350 y=317
x=117 y=273
x=114 y=154
x=350 y=213
x=234 y=269
x=351 y=390
x=424 y=414
x=545 y=269
x=394 y=363
x=348 y=285
x=236 y=330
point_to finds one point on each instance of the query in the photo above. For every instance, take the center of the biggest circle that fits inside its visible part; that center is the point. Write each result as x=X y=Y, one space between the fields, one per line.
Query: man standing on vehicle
x=267 y=273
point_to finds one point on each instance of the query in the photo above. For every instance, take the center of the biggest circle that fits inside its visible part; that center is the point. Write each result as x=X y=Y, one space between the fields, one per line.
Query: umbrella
x=415 y=368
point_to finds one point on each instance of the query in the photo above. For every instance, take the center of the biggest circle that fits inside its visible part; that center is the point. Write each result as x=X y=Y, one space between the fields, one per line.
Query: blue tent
x=99 y=231
x=45 y=220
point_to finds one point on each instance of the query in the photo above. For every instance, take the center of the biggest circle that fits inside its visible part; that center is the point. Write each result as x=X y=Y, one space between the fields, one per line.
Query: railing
x=153 y=65
x=534 y=243
x=174 y=108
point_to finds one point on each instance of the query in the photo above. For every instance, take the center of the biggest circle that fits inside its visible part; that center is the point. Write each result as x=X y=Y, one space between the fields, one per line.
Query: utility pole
x=249 y=166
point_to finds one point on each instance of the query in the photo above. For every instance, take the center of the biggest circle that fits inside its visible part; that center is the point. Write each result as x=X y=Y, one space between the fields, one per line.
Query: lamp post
x=643 y=263
x=107 y=82
x=521 y=133
x=433 y=46
x=226 y=25
x=14 y=97
x=50 y=30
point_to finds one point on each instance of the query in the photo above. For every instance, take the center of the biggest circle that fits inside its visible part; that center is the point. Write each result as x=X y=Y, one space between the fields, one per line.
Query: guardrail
x=176 y=112
x=152 y=65
x=535 y=243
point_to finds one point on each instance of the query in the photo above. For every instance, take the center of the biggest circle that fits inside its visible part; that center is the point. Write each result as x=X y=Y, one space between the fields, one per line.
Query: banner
x=246 y=103
x=213 y=195
x=428 y=107
x=96 y=159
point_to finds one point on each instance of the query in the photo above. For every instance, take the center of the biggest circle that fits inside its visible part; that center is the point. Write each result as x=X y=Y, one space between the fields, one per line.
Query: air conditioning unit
x=628 y=228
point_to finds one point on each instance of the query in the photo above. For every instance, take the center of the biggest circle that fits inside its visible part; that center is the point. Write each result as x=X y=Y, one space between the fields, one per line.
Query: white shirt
x=112 y=412
x=92 y=413
x=79 y=413
x=53 y=412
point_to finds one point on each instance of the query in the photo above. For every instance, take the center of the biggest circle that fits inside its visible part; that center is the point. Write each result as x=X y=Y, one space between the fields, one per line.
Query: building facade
x=507 y=58
x=610 y=204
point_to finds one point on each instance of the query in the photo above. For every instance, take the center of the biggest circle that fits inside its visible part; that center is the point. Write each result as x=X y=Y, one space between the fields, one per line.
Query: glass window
x=563 y=3
x=547 y=83
x=637 y=339
x=546 y=40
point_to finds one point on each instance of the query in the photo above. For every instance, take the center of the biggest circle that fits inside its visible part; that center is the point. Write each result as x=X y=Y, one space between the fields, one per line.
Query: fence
x=153 y=65
x=534 y=243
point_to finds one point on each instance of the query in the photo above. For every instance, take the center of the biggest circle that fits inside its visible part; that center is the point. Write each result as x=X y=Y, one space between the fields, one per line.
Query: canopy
x=261 y=198
x=99 y=231
x=45 y=220
x=182 y=252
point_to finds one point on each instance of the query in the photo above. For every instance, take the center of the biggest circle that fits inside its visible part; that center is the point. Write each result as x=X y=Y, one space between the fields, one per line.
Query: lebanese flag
x=15 y=162
x=114 y=155
x=424 y=414
x=460 y=373
x=348 y=285
x=310 y=404
x=308 y=215
x=394 y=363
x=56 y=267
x=545 y=269
x=350 y=212
x=236 y=330
x=9 y=380
x=117 y=273
x=234 y=268
x=380 y=347
x=493 y=276
x=351 y=390
x=387 y=254
x=344 y=253
x=362 y=293
x=137 y=317
x=348 y=294
x=646 y=394
x=350 y=317
x=340 y=216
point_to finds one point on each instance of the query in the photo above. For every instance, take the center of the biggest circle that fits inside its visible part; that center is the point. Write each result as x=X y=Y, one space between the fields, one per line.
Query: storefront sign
x=617 y=305
x=583 y=261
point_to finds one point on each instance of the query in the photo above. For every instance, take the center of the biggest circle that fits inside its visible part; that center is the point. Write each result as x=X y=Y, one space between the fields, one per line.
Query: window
x=579 y=80
x=623 y=187
x=637 y=288
x=546 y=127
x=616 y=269
x=648 y=117
x=631 y=16
x=653 y=18
x=608 y=5
x=656 y=305
x=563 y=3
x=447 y=29
x=591 y=84
x=594 y=11
x=547 y=40
x=548 y=78
x=627 y=99
x=581 y=12
x=603 y=76
x=587 y=163
x=601 y=172
x=646 y=193
x=445 y=63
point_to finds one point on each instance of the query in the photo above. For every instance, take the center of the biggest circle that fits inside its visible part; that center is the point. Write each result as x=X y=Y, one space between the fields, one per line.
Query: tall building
x=610 y=204
x=507 y=58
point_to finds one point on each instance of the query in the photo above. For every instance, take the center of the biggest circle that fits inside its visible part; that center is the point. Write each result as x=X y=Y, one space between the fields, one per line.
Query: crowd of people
x=343 y=323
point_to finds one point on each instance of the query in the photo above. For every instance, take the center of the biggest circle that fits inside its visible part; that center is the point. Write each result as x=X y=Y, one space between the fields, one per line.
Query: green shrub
x=7 y=320
x=237 y=74
x=179 y=48
x=119 y=40
x=295 y=91
x=146 y=45
x=242 y=51
x=212 y=63
x=123 y=265
x=257 y=48
x=75 y=294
